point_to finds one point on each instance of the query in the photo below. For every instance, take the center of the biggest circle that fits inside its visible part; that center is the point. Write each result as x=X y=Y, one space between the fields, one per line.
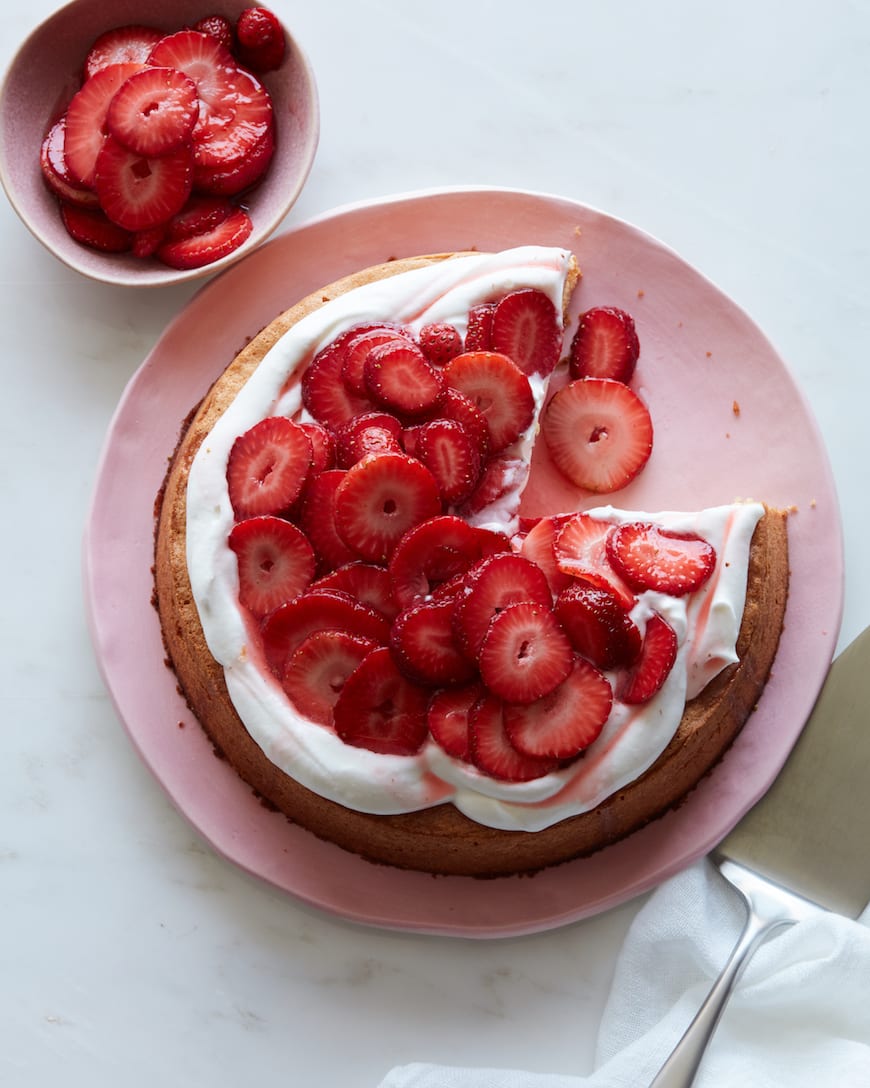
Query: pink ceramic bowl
x=43 y=76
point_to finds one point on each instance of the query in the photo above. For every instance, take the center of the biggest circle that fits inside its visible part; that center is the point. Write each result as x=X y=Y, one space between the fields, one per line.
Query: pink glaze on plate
x=699 y=355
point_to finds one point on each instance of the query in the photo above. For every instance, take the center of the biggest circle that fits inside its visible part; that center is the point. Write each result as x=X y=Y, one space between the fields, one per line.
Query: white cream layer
x=706 y=624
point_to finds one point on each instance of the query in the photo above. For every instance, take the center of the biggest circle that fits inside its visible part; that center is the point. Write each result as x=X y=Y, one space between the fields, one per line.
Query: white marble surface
x=131 y=954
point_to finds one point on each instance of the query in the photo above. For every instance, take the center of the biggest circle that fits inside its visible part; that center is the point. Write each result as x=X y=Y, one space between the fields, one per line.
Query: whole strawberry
x=439 y=342
x=260 y=39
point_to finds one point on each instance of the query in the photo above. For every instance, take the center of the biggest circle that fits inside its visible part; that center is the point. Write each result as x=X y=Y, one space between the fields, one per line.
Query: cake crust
x=441 y=839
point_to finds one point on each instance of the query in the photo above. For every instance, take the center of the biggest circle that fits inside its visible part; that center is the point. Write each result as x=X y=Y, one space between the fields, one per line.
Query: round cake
x=378 y=642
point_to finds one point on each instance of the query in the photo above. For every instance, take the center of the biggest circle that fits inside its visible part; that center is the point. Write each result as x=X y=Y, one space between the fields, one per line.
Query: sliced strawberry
x=379 y=499
x=565 y=722
x=525 y=327
x=324 y=394
x=461 y=408
x=498 y=388
x=122 y=45
x=234 y=127
x=492 y=752
x=398 y=376
x=365 y=582
x=605 y=345
x=581 y=551
x=137 y=192
x=276 y=562
x=154 y=111
x=317 y=518
x=451 y=590
x=424 y=646
x=409 y=438
x=451 y=455
x=356 y=351
x=318 y=610
x=210 y=245
x=219 y=27
x=260 y=37
x=370 y=432
x=317 y=670
x=267 y=467
x=86 y=119
x=206 y=61
x=493 y=585
x=448 y=715
x=199 y=214
x=91 y=227
x=539 y=545
x=648 y=557
x=335 y=352
x=478 y=334
x=238 y=176
x=340 y=343
x=657 y=657
x=439 y=342
x=56 y=173
x=525 y=654
x=146 y=242
x=435 y=551
x=323 y=451
x=234 y=134
x=599 y=433
x=380 y=710
x=501 y=475
x=598 y=625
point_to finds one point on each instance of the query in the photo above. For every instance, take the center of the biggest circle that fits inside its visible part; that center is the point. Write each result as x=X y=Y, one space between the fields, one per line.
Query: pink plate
x=729 y=422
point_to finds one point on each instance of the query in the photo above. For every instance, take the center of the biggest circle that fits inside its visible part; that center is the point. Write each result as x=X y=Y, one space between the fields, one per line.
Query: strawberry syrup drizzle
x=436 y=789
x=294 y=378
x=587 y=763
x=703 y=616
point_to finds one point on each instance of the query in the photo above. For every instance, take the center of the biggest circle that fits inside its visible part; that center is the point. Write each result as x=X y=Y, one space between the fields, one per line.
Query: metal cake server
x=804 y=845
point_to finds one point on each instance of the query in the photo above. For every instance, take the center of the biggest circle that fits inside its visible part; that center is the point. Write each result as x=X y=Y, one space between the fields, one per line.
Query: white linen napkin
x=800 y=1015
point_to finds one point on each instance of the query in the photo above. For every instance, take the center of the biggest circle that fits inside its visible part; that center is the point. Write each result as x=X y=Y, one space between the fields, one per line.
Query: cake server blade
x=810 y=831
x=805 y=843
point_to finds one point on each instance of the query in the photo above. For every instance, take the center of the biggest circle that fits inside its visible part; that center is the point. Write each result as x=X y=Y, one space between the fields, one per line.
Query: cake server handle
x=768 y=908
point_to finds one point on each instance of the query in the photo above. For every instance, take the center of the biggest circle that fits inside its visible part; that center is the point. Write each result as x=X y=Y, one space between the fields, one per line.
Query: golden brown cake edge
x=441 y=839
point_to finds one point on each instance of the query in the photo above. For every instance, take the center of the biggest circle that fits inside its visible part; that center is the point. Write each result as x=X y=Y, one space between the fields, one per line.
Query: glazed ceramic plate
x=729 y=423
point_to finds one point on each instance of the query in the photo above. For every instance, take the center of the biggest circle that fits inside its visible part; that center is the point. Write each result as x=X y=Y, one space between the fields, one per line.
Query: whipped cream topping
x=706 y=622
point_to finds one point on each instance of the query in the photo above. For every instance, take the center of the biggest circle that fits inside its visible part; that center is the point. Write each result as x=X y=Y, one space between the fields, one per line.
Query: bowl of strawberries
x=145 y=146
